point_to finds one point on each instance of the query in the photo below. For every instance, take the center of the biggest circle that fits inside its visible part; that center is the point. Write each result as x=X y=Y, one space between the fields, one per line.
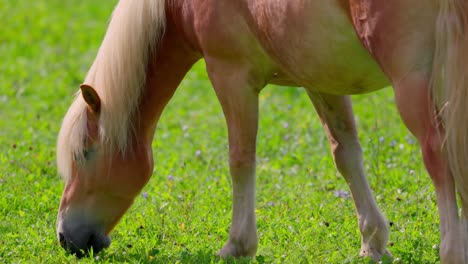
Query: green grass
x=46 y=48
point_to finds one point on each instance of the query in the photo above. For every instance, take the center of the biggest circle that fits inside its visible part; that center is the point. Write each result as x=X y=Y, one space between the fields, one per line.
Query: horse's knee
x=242 y=157
x=346 y=154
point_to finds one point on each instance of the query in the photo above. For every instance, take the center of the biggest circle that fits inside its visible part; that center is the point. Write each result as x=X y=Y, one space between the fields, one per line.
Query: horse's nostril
x=62 y=240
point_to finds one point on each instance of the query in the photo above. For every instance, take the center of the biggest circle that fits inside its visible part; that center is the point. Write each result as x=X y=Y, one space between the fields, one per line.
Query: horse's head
x=101 y=180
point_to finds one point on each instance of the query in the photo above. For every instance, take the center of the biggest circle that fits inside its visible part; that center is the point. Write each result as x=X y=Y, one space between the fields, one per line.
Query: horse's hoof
x=236 y=251
x=375 y=254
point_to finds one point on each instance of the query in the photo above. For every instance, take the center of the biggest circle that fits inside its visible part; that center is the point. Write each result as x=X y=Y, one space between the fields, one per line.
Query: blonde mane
x=118 y=75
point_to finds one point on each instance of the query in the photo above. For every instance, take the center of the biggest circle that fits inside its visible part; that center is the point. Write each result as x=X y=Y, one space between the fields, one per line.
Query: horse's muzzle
x=81 y=242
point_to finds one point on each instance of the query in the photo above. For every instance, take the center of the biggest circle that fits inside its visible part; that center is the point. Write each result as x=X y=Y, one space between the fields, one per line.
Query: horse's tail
x=450 y=87
x=119 y=72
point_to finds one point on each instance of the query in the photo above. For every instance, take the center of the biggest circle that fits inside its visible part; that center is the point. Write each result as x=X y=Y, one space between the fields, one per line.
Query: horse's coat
x=332 y=48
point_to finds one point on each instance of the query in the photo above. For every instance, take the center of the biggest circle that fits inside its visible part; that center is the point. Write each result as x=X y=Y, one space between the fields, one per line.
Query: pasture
x=304 y=210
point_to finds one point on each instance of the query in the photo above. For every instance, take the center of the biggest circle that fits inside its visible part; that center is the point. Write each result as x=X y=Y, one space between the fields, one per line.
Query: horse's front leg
x=336 y=115
x=239 y=101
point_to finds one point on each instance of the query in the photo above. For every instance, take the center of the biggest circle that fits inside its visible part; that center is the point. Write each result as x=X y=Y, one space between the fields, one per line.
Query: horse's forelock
x=70 y=139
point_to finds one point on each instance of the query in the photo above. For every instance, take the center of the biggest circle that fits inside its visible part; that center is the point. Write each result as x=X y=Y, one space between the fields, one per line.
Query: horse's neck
x=167 y=68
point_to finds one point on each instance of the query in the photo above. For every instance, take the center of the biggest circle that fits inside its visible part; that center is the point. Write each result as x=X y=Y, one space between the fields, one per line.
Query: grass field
x=183 y=214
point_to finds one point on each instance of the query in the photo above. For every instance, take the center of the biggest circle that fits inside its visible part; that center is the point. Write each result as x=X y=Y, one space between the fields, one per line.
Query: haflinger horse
x=332 y=48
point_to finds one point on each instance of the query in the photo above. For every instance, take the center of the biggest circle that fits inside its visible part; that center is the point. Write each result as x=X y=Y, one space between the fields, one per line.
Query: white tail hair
x=118 y=75
x=450 y=87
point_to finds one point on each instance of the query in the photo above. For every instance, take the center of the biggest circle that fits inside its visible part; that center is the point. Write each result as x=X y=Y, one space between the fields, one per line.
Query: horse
x=332 y=48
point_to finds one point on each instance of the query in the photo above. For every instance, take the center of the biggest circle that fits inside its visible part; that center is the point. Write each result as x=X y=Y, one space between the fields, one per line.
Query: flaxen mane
x=118 y=75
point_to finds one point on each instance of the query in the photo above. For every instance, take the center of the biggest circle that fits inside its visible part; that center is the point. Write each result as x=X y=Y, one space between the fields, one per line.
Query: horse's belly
x=359 y=75
x=343 y=69
x=315 y=46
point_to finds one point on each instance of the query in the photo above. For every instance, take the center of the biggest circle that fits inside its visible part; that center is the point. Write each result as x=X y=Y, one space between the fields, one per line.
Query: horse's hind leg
x=239 y=101
x=336 y=115
x=414 y=103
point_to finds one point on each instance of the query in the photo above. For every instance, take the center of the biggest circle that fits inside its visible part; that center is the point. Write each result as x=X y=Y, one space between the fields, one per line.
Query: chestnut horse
x=333 y=48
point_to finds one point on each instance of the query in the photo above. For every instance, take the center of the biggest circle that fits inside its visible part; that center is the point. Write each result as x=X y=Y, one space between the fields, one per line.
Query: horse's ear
x=91 y=98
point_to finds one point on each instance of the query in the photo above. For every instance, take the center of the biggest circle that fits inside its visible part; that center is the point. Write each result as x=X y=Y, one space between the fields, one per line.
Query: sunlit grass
x=183 y=214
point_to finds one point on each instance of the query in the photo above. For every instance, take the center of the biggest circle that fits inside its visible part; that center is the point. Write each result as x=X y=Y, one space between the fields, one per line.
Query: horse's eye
x=85 y=155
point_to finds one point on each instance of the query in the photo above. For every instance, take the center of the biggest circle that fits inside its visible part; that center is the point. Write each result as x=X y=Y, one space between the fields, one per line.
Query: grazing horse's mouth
x=93 y=243
x=83 y=241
